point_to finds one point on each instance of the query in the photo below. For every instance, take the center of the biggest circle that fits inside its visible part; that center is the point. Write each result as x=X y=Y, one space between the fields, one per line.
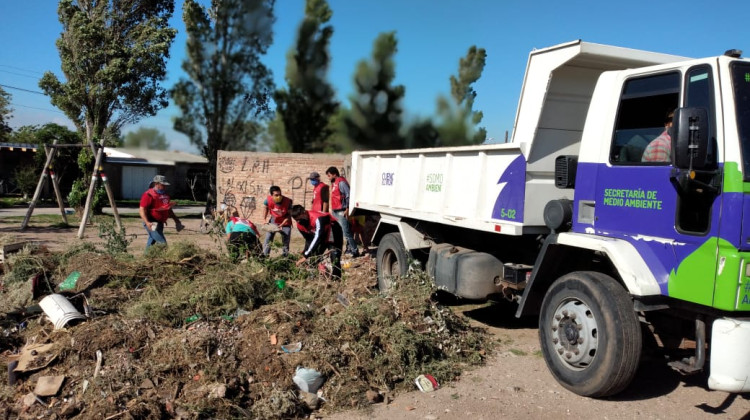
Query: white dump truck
x=616 y=213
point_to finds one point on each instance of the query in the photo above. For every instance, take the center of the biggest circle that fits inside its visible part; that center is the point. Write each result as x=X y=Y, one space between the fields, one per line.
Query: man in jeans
x=277 y=206
x=340 y=207
x=155 y=209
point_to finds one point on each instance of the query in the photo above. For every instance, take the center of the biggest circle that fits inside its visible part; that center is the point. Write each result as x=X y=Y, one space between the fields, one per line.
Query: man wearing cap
x=340 y=207
x=155 y=209
x=320 y=193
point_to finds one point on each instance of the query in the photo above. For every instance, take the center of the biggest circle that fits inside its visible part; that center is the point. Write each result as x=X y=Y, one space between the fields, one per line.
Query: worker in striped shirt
x=660 y=148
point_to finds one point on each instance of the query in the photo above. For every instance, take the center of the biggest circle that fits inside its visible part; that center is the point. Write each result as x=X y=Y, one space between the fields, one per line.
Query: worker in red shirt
x=322 y=234
x=340 y=207
x=155 y=209
x=320 y=193
x=277 y=206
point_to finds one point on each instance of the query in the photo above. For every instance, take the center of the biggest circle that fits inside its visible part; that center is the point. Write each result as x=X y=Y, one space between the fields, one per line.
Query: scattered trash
x=192 y=318
x=426 y=383
x=29 y=399
x=211 y=391
x=99 y=359
x=48 y=386
x=35 y=357
x=239 y=312
x=147 y=384
x=273 y=339
x=311 y=400
x=227 y=318
x=59 y=310
x=342 y=299
x=11 y=374
x=70 y=282
x=280 y=284
x=373 y=397
x=292 y=348
x=308 y=380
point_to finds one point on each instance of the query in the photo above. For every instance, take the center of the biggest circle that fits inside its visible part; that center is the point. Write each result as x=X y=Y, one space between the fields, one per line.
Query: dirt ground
x=515 y=382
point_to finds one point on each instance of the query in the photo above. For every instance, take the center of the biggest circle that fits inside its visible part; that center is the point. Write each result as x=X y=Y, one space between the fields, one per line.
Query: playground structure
x=98 y=173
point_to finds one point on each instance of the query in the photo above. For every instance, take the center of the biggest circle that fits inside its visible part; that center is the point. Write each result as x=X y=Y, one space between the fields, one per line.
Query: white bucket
x=59 y=310
x=730 y=360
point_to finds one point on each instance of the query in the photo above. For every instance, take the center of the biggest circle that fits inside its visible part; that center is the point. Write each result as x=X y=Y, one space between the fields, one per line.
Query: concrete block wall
x=243 y=178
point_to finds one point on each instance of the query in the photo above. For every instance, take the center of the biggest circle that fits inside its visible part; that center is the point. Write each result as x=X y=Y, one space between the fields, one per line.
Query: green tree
x=227 y=84
x=26 y=178
x=113 y=56
x=6 y=112
x=64 y=165
x=308 y=103
x=458 y=119
x=146 y=138
x=375 y=118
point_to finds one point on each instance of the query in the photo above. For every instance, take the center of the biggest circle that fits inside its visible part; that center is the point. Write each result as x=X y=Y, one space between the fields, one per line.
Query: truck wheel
x=590 y=335
x=392 y=260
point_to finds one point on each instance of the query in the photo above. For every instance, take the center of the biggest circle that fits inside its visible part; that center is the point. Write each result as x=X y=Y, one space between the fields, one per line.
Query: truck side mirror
x=690 y=140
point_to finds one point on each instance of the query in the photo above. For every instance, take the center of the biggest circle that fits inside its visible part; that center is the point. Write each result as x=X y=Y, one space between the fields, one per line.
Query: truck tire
x=590 y=335
x=392 y=260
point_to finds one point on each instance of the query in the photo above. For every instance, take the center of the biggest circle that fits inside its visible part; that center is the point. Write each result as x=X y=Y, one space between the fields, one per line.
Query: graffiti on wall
x=243 y=182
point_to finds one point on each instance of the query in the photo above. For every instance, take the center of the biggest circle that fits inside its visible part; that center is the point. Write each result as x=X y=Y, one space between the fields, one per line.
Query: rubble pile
x=185 y=333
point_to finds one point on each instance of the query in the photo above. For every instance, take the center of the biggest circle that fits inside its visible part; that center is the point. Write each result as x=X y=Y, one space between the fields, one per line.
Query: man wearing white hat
x=155 y=209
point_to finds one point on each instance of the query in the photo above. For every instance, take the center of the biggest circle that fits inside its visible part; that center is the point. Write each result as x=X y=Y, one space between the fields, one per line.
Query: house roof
x=23 y=146
x=150 y=157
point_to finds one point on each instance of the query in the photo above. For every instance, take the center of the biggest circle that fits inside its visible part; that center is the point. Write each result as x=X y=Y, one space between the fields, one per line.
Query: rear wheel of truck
x=392 y=260
x=590 y=335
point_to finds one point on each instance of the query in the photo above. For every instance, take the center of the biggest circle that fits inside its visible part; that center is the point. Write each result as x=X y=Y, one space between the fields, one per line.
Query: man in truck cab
x=660 y=148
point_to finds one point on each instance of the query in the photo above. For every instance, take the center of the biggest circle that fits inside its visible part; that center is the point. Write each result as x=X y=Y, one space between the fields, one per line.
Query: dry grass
x=159 y=362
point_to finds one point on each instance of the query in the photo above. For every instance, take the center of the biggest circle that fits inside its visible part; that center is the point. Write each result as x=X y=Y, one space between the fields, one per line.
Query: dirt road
x=514 y=384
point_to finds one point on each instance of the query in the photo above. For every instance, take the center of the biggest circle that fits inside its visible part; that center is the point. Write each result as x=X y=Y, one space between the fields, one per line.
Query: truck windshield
x=741 y=85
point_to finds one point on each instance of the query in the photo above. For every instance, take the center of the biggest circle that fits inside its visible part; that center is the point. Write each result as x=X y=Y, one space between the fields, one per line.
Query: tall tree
x=308 y=103
x=113 y=56
x=146 y=138
x=375 y=118
x=227 y=85
x=6 y=112
x=459 y=120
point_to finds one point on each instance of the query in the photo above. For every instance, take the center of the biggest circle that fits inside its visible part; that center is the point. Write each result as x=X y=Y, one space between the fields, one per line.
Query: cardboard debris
x=35 y=357
x=29 y=399
x=48 y=386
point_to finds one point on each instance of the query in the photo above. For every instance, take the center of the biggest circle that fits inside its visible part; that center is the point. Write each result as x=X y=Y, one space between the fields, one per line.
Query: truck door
x=676 y=234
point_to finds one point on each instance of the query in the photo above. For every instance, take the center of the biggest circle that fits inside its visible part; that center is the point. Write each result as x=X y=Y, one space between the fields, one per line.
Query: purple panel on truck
x=639 y=204
x=509 y=203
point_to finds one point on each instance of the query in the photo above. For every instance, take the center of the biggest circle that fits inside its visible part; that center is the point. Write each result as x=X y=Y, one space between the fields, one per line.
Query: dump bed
x=499 y=188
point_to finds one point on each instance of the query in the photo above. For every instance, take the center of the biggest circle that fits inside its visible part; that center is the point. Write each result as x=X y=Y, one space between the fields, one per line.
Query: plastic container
x=59 y=310
x=730 y=360
x=308 y=380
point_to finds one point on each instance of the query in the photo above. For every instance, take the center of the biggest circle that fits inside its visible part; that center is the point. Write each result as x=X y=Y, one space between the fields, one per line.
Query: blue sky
x=432 y=36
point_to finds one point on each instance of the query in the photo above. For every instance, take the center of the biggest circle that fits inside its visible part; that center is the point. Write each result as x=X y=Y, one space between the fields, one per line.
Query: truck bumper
x=730 y=359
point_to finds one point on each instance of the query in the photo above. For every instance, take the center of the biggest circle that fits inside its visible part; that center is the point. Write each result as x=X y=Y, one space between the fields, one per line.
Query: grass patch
x=518 y=352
